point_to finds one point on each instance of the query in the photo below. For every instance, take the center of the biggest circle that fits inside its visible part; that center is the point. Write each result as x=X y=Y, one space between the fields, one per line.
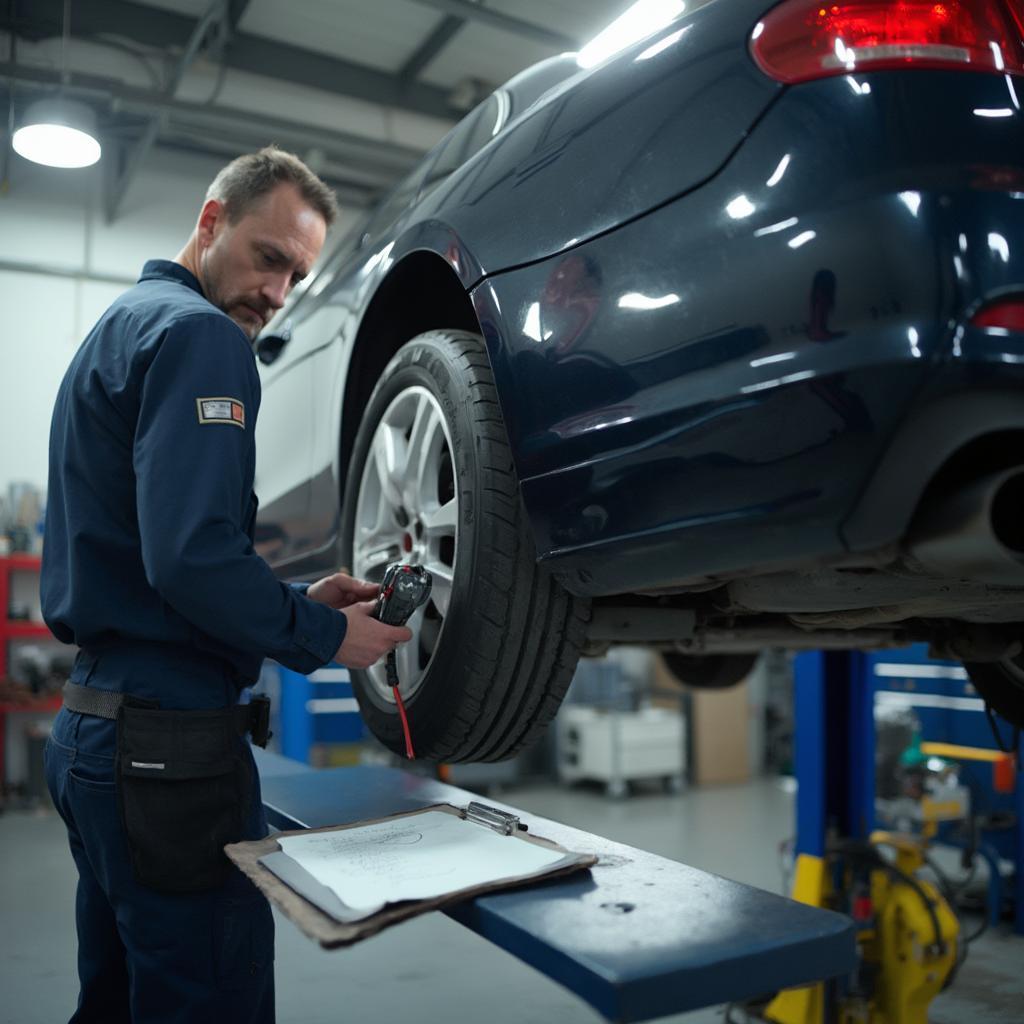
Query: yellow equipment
x=907 y=936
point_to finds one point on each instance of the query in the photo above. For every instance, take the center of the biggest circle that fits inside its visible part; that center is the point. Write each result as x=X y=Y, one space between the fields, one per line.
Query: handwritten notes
x=414 y=857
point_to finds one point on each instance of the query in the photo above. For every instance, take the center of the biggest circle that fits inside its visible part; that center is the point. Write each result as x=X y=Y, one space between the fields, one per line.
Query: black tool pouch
x=184 y=781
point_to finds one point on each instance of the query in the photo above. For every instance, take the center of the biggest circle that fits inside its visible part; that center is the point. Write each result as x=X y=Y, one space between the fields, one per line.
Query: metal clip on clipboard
x=484 y=814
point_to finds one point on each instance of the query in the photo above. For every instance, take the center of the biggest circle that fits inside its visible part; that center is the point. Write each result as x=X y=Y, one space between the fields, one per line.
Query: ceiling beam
x=386 y=159
x=236 y=11
x=259 y=55
x=430 y=48
x=213 y=20
x=351 y=194
x=495 y=19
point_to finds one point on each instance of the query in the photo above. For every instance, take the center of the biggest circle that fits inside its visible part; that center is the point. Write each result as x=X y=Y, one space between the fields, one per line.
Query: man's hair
x=247 y=179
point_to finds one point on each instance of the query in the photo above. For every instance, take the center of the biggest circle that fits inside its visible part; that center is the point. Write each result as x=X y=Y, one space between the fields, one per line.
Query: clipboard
x=320 y=915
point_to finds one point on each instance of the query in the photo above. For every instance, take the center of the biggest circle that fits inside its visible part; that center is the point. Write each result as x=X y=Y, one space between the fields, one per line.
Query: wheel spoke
x=390 y=457
x=375 y=552
x=442 y=520
x=407 y=658
x=425 y=440
x=441 y=587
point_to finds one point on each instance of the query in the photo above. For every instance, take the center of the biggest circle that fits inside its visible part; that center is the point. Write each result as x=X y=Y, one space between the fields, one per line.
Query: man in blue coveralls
x=149 y=568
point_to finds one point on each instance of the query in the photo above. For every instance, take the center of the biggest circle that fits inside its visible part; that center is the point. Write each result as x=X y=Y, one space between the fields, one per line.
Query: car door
x=284 y=440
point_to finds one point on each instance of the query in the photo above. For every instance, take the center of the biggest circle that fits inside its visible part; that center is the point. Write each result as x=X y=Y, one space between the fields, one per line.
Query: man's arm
x=193 y=449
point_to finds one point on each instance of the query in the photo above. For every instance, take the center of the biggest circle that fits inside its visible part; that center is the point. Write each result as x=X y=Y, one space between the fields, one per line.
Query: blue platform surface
x=637 y=937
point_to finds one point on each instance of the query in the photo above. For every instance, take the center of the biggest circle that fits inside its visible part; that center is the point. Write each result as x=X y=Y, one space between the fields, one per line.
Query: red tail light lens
x=1007 y=313
x=799 y=40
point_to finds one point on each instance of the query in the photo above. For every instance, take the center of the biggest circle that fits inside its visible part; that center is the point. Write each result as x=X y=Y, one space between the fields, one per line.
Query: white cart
x=617 y=747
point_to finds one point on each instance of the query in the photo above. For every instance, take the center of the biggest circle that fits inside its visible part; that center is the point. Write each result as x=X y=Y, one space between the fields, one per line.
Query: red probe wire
x=409 y=752
x=391 y=670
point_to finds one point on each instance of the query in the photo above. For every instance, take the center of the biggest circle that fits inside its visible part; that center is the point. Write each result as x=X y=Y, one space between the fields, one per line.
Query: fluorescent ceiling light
x=643 y=18
x=58 y=133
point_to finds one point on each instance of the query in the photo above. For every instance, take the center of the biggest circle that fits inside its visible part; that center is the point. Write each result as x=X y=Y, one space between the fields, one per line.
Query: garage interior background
x=361 y=91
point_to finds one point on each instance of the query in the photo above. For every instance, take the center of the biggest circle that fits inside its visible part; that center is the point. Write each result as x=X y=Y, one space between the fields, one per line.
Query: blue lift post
x=318 y=708
x=835 y=774
x=834 y=702
x=835 y=695
x=835 y=749
x=638 y=937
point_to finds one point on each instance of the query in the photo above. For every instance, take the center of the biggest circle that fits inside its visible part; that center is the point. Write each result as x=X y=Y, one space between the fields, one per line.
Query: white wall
x=54 y=218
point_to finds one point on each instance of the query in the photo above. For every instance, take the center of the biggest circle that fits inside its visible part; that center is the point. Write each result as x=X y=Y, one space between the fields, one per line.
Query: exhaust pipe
x=977 y=533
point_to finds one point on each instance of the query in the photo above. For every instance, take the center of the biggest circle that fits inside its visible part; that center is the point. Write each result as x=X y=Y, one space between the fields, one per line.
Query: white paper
x=415 y=857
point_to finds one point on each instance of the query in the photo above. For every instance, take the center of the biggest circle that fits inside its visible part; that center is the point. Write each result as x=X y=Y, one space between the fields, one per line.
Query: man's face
x=248 y=268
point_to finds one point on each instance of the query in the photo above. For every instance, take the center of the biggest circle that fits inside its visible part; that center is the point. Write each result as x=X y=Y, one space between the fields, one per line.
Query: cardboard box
x=720 y=735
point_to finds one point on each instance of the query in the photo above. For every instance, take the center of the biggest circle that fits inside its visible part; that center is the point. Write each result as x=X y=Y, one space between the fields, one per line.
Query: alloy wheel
x=407 y=510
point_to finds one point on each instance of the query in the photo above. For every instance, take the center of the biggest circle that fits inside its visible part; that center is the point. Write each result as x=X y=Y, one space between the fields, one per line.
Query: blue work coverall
x=148 y=567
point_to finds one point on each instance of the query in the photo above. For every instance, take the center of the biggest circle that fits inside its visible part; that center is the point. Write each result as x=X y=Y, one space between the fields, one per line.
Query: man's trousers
x=144 y=956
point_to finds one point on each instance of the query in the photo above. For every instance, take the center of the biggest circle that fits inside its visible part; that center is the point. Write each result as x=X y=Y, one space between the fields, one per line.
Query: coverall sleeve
x=194 y=452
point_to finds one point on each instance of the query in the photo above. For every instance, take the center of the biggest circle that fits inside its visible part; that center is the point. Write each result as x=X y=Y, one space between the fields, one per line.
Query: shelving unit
x=17 y=629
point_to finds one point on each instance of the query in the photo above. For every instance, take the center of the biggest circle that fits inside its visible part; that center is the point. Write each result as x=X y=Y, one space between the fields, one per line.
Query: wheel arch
x=422 y=292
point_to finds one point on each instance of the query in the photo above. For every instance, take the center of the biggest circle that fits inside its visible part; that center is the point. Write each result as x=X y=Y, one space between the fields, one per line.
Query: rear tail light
x=1007 y=313
x=798 y=40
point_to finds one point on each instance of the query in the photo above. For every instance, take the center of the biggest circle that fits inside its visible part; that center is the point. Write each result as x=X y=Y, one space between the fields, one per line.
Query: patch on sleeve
x=221 y=410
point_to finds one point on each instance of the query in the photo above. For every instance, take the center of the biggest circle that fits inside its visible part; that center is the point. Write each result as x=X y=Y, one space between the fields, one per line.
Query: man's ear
x=212 y=219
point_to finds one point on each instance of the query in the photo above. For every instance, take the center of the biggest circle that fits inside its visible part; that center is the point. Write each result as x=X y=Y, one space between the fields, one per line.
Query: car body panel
x=590 y=155
x=701 y=360
x=741 y=357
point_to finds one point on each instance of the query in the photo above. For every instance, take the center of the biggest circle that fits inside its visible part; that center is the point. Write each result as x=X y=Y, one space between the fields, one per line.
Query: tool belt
x=185 y=783
x=253 y=717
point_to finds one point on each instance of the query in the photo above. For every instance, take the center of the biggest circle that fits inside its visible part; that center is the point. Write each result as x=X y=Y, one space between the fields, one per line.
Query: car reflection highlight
x=637 y=300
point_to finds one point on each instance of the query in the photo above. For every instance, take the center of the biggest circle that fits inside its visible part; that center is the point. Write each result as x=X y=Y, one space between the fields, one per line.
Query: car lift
x=637 y=937
x=907 y=932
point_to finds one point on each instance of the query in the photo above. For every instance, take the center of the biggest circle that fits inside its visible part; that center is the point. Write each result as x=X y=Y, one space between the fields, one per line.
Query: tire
x=1001 y=684
x=709 y=671
x=431 y=481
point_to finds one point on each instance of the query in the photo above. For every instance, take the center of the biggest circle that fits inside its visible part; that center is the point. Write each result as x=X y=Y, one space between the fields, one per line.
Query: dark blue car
x=714 y=346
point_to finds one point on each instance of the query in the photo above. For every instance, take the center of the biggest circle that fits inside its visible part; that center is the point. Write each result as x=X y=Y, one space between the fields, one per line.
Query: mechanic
x=149 y=568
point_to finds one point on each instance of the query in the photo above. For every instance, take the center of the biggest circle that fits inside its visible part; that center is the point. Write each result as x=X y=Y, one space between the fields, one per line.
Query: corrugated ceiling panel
x=479 y=51
x=381 y=34
x=194 y=7
x=495 y=55
x=579 y=19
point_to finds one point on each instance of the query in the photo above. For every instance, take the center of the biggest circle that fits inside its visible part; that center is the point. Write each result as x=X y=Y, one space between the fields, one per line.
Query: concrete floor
x=431 y=970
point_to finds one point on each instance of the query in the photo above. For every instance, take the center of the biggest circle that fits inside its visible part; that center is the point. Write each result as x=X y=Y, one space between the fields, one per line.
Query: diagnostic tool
x=403 y=589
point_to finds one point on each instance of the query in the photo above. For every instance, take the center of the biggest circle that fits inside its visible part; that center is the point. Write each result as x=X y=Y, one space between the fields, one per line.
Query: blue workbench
x=637 y=937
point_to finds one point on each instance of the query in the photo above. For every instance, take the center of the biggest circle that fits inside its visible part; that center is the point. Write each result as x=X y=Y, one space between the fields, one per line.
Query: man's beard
x=231 y=304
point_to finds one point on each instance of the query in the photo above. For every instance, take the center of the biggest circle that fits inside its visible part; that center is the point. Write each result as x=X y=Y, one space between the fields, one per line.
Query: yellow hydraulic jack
x=907 y=936
x=907 y=932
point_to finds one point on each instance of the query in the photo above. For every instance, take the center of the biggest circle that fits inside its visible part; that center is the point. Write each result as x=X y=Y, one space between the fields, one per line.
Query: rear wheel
x=1001 y=684
x=709 y=671
x=431 y=481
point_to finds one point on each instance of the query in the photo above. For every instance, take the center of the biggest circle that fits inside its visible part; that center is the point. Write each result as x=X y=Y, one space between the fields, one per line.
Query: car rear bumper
x=713 y=388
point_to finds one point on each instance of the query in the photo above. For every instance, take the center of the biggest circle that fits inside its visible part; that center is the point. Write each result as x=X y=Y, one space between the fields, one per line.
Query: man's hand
x=341 y=591
x=367 y=639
